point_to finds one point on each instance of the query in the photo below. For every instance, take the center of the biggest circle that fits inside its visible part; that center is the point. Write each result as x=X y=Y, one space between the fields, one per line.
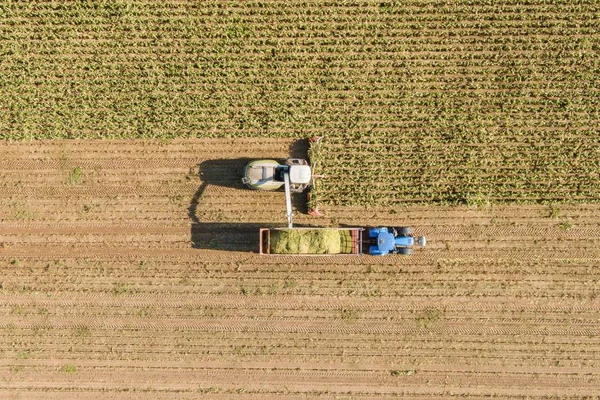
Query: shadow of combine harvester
x=230 y=235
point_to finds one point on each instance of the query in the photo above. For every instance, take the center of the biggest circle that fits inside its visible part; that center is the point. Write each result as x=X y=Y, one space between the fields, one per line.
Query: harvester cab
x=294 y=175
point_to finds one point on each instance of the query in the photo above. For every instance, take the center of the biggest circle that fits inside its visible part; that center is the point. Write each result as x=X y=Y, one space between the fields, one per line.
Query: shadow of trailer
x=311 y=241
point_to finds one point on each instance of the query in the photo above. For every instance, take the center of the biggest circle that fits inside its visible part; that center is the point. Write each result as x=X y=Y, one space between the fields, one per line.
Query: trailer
x=338 y=241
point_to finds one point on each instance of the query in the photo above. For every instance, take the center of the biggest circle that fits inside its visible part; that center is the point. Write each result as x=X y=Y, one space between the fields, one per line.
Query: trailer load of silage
x=305 y=241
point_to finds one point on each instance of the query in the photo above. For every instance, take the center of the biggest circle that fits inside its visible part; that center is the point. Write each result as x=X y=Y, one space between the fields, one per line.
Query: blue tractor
x=383 y=241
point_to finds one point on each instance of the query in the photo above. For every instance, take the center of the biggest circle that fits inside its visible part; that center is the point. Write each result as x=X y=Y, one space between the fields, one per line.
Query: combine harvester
x=295 y=176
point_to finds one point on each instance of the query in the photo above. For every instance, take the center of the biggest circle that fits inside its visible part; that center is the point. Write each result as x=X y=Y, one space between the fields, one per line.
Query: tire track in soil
x=332 y=382
x=291 y=302
x=242 y=325
x=58 y=252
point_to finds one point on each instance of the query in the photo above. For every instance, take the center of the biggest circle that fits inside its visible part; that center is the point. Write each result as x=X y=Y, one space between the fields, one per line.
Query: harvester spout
x=288 y=198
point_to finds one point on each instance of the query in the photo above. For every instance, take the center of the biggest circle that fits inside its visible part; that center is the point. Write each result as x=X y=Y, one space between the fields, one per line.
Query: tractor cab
x=393 y=241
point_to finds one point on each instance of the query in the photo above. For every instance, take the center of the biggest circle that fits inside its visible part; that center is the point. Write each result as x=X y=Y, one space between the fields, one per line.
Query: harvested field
x=140 y=279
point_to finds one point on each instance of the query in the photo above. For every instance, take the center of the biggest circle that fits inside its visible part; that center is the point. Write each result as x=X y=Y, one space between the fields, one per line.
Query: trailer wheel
x=406 y=251
x=403 y=231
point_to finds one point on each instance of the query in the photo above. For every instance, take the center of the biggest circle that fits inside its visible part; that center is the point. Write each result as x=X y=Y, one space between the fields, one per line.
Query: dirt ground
x=129 y=271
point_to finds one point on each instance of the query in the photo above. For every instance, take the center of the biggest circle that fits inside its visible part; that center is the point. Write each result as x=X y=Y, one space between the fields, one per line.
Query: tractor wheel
x=404 y=231
x=405 y=251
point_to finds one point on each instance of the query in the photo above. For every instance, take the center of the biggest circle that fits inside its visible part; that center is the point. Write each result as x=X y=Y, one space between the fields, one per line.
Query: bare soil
x=129 y=271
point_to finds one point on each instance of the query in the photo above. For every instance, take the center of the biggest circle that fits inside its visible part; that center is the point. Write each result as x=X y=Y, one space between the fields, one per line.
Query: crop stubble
x=103 y=292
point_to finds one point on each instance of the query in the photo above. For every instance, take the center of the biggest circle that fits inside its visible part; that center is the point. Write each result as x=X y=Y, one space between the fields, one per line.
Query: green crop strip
x=469 y=102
